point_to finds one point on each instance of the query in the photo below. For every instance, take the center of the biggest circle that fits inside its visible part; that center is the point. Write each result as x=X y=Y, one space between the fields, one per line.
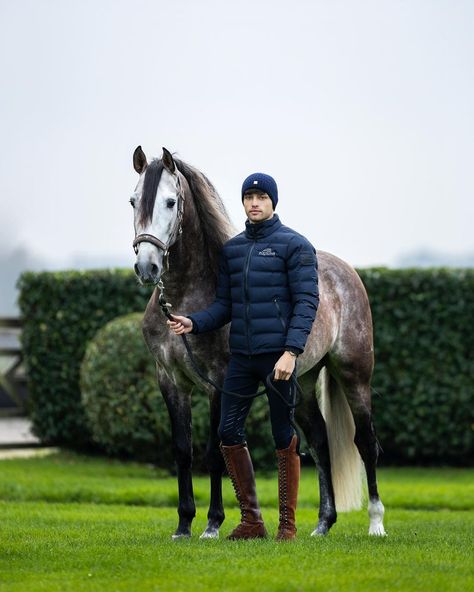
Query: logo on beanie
x=261 y=182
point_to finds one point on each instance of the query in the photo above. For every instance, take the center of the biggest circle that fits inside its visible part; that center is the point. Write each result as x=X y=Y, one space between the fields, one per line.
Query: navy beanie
x=263 y=183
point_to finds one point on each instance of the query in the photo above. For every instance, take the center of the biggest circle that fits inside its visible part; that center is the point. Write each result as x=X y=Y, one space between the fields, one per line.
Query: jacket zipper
x=246 y=294
x=280 y=316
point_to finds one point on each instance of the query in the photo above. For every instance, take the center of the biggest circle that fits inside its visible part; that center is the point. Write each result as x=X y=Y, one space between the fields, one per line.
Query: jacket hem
x=270 y=350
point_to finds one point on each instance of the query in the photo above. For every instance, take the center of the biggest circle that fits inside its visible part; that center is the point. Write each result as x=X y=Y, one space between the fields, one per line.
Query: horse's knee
x=214 y=458
x=183 y=455
x=187 y=508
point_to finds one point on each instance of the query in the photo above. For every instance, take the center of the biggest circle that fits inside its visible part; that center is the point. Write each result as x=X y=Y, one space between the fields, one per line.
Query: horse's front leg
x=215 y=463
x=179 y=409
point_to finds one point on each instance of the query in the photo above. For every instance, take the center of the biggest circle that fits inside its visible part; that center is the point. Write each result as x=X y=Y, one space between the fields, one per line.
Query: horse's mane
x=209 y=206
x=214 y=220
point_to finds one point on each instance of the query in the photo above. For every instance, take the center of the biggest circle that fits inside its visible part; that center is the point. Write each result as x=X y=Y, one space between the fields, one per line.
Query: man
x=268 y=290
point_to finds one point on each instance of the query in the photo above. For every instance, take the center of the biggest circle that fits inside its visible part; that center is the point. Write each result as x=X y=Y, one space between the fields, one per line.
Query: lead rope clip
x=165 y=306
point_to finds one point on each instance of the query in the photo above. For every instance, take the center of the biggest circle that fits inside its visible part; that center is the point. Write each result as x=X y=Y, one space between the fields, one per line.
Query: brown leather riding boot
x=288 y=481
x=240 y=469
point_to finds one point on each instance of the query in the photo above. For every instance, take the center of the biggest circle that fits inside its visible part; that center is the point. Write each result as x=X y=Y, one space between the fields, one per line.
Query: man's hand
x=180 y=325
x=285 y=366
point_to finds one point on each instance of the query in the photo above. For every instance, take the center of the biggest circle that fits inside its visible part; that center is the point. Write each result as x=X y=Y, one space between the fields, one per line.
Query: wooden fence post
x=12 y=378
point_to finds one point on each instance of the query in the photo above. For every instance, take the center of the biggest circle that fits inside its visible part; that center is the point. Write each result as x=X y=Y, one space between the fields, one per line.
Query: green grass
x=72 y=523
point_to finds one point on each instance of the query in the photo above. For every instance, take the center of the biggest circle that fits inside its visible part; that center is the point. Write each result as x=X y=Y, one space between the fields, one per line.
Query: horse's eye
x=132 y=201
x=170 y=203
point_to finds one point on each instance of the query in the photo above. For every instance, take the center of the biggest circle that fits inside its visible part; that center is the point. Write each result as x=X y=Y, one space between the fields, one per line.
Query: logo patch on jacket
x=268 y=252
x=307 y=258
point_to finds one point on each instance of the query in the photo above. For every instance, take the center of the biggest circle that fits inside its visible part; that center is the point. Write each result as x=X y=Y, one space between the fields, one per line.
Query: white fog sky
x=361 y=110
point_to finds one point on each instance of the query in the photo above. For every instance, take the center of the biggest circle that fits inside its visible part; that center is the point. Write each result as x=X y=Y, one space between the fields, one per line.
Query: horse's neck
x=189 y=265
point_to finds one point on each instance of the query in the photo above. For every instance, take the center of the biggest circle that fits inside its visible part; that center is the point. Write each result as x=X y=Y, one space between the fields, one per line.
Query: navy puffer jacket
x=267 y=288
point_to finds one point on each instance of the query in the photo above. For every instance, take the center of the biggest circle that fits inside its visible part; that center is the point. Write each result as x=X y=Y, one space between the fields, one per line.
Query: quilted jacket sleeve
x=302 y=266
x=219 y=312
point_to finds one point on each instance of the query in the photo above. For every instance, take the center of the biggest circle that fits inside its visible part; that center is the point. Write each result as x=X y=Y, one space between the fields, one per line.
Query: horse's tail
x=346 y=463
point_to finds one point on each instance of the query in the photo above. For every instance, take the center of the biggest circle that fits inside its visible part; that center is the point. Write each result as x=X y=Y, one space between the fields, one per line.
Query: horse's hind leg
x=367 y=445
x=179 y=409
x=358 y=396
x=215 y=462
x=309 y=417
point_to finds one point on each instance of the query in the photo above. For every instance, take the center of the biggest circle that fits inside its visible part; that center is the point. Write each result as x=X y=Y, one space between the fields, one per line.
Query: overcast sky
x=361 y=110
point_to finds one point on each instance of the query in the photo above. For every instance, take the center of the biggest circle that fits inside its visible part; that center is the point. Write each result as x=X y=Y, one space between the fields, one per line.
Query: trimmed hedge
x=424 y=363
x=423 y=379
x=61 y=312
x=120 y=395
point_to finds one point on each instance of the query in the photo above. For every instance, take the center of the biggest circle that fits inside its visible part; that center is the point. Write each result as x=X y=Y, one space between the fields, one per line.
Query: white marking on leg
x=318 y=533
x=210 y=533
x=376 y=512
x=178 y=537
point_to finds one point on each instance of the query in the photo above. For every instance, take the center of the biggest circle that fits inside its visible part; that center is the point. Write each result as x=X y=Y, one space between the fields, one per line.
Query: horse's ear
x=168 y=160
x=139 y=160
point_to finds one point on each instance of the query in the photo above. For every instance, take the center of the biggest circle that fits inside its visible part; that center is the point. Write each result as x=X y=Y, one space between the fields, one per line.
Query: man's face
x=258 y=206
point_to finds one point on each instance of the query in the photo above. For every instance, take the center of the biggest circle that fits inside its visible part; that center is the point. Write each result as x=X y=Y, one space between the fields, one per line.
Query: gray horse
x=180 y=226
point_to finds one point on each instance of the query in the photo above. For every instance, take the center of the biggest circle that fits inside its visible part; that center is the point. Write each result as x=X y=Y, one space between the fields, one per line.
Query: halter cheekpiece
x=177 y=229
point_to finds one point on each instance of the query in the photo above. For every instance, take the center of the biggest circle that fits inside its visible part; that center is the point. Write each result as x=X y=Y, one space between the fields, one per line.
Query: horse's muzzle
x=147 y=272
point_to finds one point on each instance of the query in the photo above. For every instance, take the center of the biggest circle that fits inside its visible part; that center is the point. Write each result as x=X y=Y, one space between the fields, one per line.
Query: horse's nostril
x=135 y=267
x=154 y=269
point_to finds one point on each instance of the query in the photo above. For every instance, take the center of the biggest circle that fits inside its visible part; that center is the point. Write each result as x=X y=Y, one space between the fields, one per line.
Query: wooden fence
x=13 y=391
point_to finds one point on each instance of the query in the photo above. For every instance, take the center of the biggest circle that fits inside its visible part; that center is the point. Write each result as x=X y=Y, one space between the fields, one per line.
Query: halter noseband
x=177 y=230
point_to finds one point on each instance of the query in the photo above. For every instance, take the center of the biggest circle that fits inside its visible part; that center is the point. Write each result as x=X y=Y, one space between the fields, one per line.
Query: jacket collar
x=263 y=229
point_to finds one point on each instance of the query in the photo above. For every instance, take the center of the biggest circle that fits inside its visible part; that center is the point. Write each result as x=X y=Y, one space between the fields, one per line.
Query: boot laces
x=283 y=490
x=236 y=489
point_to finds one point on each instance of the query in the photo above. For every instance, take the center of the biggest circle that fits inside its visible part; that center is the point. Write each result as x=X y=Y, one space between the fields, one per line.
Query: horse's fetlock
x=329 y=517
x=215 y=519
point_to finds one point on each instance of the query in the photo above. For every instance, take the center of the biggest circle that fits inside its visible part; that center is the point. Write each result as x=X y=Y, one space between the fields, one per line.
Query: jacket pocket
x=280 y=316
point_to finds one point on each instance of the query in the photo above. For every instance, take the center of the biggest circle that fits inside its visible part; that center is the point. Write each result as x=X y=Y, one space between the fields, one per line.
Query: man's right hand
x=180 y=325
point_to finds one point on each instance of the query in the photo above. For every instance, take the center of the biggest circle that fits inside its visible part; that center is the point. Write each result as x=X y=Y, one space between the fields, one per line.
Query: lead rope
x=295 y=388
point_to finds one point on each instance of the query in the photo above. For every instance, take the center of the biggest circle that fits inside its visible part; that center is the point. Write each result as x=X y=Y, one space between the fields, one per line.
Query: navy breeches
x=244 y=375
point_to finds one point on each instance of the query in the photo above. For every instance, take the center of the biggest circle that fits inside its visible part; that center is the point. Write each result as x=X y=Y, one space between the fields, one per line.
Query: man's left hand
x=285 y=366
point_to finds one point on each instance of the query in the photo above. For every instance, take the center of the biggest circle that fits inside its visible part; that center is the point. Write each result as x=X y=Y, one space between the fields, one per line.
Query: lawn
x=74 y=523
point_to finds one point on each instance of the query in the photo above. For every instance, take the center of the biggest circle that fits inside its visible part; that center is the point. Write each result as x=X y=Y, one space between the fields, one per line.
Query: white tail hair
x=346 y=463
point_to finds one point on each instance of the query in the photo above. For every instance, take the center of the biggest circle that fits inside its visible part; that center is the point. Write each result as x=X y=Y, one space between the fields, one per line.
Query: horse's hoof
x=210 y=533
x=321 y=530
x=178 y=536
x=377 y=530
x=376 y=513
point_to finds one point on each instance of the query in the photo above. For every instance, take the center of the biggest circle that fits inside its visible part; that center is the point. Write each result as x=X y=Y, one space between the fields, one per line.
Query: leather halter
x=177 y=229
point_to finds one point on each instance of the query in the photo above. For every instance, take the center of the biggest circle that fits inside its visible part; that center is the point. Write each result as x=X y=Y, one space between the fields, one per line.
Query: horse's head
x=158 y=209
